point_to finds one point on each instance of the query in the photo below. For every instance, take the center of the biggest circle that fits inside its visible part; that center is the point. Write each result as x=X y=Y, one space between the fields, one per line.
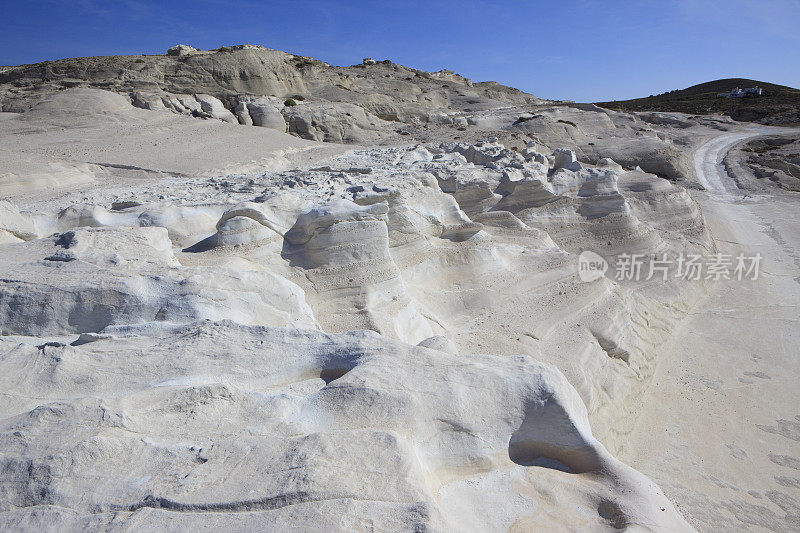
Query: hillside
x=778 y=105
x=385 y=89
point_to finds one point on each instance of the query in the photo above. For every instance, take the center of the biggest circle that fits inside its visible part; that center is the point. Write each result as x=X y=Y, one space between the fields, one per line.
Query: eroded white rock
x=201 y=421
x=214 y=107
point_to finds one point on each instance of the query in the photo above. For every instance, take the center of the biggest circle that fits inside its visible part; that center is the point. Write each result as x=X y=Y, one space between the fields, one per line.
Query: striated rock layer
x=206 y=325
x=290 y=428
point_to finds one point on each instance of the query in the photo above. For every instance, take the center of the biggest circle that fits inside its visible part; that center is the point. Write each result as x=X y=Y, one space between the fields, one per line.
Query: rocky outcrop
x=232 y=71
x=563 y=158
x=181 y=50
x=260 y=111
x=774 y=160
x=129 y=276
x=14 y=226
x=333 y=122
x=213 y=107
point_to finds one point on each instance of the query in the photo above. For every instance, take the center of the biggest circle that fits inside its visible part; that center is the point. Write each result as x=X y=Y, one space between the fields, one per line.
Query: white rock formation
x=214 y=107
x=14 y=226
x=563 y=158
x=297 y=428
x=339 y=122
x=181 y=50
x=113 y=276
x=261 y=111
x=215 y=327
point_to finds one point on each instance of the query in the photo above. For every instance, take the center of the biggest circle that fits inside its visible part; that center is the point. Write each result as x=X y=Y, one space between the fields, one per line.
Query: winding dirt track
x=708 y=158
x=720 y=429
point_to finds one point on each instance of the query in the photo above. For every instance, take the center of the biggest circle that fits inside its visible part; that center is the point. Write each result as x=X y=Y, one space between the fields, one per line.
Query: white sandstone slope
x=230 y=327
x=81 y=139
x=301 y=430
x=468 y=248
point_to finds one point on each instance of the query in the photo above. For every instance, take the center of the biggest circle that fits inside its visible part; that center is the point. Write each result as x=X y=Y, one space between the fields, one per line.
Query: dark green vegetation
x=779 y=105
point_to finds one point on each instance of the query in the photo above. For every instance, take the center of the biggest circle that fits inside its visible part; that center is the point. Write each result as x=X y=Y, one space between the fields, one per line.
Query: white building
x=739 y=93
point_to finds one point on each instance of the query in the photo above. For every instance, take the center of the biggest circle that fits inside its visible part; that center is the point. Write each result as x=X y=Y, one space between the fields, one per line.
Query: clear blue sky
x=585 y=50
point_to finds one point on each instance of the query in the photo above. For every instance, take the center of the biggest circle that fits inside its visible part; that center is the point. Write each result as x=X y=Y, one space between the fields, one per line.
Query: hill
x=383 y=88
x=777 y=105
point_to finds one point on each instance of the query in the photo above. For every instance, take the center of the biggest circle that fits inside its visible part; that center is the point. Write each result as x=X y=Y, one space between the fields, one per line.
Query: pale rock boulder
x=183 y=104
x=185 y=224
x=189 y=102
x=564 y=158
x=584 y=183
x=246 y=223
x=514 y=176
x=214 y=107
x=524 y=192
x=181 y=50
x=441 y=119
x=429 y=213
x=14 y=226
x=173 y=103
x=354 y=283
x=322 y=231
x=243 y=114
x=148 y=100
x=595 y=188
x=535 y=152
x=240 y=230
x=130 y=275
x=475 y=189
x=264 y=213
x=598 y=183
x=334 y=122
x=261 y=111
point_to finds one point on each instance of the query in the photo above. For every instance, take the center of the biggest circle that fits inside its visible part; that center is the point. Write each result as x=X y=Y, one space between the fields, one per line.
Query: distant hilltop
x=382 y=88
x=739 y=98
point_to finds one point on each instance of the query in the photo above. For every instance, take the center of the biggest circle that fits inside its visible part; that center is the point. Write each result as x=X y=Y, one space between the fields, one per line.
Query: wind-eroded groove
x=611 y=348
x=140 y=169
x=261 y=504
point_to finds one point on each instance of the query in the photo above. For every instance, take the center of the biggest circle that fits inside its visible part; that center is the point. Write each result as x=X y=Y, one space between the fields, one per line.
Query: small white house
x=739 y=93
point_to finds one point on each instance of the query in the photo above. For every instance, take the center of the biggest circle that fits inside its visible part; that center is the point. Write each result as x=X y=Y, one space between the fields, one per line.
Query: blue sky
x=585 y=50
